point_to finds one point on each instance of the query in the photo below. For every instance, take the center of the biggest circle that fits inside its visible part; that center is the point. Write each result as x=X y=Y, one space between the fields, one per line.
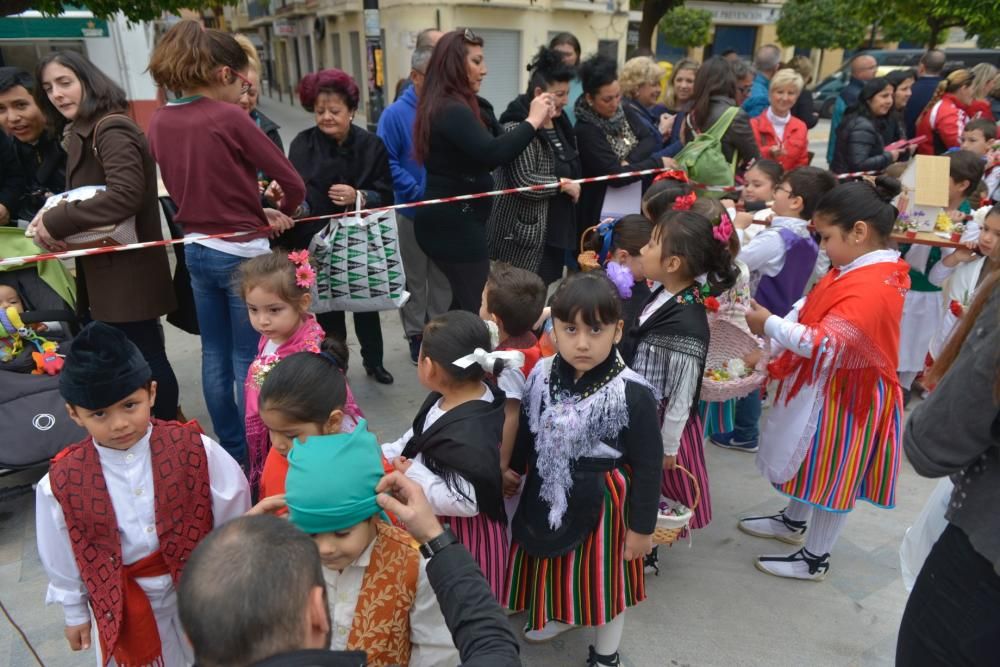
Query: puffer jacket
x=860 y=146
x=738 y=139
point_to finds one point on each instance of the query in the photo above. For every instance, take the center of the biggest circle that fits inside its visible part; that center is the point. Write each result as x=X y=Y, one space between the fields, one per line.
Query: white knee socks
x=609 y=635
x=824 y=529
x=798 y=511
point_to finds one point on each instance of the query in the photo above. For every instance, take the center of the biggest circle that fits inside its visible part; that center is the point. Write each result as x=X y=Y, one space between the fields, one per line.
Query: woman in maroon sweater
x=209 y=151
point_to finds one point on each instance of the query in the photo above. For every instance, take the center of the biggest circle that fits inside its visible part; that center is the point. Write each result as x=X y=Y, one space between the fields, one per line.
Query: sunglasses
x=472 y=38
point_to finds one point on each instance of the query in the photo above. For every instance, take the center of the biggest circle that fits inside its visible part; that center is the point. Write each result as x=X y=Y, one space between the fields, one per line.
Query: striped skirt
x=677 y=486
x=489 y=545
x=589 y=585
x=718 y=417
x=850 y=459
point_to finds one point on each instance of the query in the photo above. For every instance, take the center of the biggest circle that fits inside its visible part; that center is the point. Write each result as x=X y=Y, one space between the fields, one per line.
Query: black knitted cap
x=102 y=367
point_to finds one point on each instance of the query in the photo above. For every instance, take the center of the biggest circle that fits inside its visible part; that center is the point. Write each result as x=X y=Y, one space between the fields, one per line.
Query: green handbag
x=702 y=157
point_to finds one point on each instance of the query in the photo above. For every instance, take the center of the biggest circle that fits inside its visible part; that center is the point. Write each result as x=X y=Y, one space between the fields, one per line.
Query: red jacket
x=795 y=143
x=943 y=123
x=980 y=109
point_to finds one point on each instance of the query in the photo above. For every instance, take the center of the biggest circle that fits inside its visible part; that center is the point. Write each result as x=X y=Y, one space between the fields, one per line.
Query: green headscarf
x=331 y=480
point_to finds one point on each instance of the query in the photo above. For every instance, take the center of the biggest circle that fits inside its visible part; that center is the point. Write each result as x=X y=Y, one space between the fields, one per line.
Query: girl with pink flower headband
x=277 y=290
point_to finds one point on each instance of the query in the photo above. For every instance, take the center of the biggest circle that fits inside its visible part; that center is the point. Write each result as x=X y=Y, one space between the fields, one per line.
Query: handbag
x=119 y=233
x=702 y=157
x=358 y=264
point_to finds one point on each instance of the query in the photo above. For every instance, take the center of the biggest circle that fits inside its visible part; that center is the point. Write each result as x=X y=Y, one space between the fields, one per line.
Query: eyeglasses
x=787 y=191
x=472 y=38
x=247 y=85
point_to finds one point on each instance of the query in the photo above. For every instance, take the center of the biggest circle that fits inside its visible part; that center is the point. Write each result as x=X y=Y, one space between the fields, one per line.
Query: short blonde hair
x=639 y=71
x=249 y=49
x=786 y=77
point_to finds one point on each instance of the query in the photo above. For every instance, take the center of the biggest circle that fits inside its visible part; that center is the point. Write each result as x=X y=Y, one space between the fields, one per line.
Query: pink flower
x=299 y=257
x=305 y=276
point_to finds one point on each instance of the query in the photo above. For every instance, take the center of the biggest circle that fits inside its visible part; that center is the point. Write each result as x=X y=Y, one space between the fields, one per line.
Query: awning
x=68 y=25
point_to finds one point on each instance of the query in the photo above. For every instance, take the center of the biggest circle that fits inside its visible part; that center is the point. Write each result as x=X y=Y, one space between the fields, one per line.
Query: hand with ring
x=342 y=195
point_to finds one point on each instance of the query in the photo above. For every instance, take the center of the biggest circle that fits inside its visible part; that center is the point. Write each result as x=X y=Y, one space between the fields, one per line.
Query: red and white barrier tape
x=70 y=254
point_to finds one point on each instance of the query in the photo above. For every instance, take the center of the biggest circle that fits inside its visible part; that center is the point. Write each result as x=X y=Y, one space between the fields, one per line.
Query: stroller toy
x=14 y=333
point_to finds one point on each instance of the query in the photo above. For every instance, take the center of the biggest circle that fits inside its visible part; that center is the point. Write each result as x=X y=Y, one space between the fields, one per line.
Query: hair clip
x=606 y=230
x=486 y=360
x=684 y=202
x=673 y=175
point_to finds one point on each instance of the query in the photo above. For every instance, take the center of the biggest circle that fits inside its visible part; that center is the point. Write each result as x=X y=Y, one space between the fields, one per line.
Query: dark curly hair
x=547 y=67
x=596 y=72
x=331 y=81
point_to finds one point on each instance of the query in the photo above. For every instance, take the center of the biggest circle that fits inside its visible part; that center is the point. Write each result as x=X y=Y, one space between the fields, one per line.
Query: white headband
x=486 y=360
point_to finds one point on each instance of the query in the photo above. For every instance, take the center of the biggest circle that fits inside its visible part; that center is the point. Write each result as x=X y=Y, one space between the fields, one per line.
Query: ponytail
x=690 y=236
x=950 y=84
x=189 y=54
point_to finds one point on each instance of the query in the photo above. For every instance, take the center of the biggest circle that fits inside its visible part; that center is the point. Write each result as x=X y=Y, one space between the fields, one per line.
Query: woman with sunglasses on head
x=459 y=141
x=209 y=151
x=129 y=290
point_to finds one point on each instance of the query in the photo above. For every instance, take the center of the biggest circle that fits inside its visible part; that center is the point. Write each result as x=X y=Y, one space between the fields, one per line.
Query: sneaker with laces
x=595 y=659
x=776 y=527
x=729 y=441
x=799 y=565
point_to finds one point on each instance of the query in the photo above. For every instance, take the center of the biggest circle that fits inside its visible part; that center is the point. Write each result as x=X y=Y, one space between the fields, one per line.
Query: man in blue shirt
x=430 y=294
x=766 y=62
x=928 y=77
x=863 y=69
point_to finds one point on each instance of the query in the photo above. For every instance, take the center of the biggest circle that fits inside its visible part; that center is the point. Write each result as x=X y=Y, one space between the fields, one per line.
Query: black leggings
x=467 y=280
x=148 y=337
x=953 y=614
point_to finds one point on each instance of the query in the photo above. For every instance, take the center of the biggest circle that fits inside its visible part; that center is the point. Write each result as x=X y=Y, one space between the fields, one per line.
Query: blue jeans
x=746 y=419
x=228 y=342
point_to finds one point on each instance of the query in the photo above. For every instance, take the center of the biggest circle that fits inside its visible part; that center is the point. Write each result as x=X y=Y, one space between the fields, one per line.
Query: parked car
x=826 y=91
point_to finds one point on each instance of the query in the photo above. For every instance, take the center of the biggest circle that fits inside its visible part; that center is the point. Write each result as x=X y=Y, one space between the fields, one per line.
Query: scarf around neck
x=616 y=129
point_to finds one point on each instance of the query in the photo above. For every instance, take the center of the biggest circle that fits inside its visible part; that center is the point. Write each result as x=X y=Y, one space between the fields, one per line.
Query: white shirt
x=765 y=253
x=778 y=122
x=654 y=305
x=431 y=641
x=512 y=382
x=129 y=477
x=246 y=249
x=443 y=500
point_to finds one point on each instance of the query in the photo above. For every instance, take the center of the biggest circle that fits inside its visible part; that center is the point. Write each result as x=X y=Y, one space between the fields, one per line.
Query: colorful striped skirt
x=851 y=459
x=677 y=486
x=589 y=585
x=489 y=545
x=718 y=417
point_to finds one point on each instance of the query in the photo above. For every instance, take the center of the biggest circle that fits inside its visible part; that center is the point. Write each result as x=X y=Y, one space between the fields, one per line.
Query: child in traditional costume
x=833 y=435
x=781 y=259
x=513 y=299
x=588 y=444
x=922 y=313
x=275 y=288
x=119 y=513
x=614 y=245
x=380 y=599
x=453 y=449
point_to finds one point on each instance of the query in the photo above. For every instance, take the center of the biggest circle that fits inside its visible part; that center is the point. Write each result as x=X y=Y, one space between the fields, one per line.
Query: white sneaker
x=775 y=527
x=551 y=630
x=799 y=565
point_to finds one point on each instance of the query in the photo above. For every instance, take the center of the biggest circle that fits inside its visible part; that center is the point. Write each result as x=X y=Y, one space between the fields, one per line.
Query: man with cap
x=380 y=599
x=119 y=513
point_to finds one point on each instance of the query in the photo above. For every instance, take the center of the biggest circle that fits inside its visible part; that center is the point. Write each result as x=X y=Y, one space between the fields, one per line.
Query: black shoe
x=415 y=342
x=595 y=659
x=381 y=375
x=652 y=561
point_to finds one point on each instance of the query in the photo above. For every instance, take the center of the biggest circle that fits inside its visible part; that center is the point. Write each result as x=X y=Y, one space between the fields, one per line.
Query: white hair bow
x=487 y=360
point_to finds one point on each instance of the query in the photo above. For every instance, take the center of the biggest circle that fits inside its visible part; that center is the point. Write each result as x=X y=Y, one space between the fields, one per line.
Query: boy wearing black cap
x=119 y=513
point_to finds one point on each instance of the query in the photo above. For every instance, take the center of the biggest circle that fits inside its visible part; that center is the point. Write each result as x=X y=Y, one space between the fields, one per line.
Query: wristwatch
x=443 y=540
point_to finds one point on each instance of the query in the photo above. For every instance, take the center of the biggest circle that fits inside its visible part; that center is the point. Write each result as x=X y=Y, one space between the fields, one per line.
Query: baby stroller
x=33 y=414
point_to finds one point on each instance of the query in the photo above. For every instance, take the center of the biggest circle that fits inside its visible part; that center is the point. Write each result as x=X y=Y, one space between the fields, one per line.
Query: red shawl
x=855 y=318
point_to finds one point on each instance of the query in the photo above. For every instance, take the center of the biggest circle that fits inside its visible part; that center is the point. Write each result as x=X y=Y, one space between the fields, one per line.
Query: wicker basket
x=727 y=341
x=670 y=526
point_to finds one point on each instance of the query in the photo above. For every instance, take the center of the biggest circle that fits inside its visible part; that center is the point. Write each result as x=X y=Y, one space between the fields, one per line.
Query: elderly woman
x=339 y=160
x=780 y=135
x=534 y=230
x=640 y=84
x=612 y=139
x=860 y=146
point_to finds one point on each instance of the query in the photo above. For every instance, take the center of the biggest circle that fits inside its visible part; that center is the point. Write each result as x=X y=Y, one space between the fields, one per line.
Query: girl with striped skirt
x=833 y=435
x=587 y=441
x=453 y=449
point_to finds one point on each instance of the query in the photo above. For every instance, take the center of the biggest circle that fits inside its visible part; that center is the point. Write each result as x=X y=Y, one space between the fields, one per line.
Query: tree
x=687 y=27
x=821 y=24
x=897 y=19
x=652 y=12
x=134 y=10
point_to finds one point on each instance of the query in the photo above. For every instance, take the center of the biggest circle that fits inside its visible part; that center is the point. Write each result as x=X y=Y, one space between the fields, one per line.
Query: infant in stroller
x=22 y=345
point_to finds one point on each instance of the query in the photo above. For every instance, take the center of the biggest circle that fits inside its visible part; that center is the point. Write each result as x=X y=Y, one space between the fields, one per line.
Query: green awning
x=52 y=27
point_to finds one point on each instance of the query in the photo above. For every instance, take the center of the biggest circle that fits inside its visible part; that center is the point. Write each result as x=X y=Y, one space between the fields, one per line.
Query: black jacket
x=268 y=127
x=738 y=139
x=361 y=162
x=599 y=159
x=11 y=178
x=860 y=146
x=44 y=167
x=805 y=110
x=478 y=626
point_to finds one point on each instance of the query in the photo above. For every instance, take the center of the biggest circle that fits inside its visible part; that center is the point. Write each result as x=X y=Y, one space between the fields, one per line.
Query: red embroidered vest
x=183 y=502
x=529 y=346
x=381 y=625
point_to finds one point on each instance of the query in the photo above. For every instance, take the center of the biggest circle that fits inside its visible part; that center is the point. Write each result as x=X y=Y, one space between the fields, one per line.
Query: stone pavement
x=708 y=606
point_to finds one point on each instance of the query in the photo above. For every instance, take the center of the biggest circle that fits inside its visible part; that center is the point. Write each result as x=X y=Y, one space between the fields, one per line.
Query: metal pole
x=375 y=58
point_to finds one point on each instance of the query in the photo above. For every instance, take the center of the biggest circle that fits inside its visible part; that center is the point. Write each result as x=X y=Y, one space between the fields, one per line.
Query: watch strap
x=447 y=538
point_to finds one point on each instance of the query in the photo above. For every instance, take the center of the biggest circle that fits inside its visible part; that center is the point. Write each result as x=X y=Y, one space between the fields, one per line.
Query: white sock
x=609 y=635
x=824 y=529
x=798 y=511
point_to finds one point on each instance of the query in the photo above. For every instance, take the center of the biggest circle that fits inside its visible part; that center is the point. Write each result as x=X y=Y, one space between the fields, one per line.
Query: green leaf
x=687 y=27
x=821 y=24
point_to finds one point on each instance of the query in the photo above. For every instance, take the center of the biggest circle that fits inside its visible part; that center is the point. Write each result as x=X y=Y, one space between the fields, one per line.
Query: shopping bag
x=358 y=264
